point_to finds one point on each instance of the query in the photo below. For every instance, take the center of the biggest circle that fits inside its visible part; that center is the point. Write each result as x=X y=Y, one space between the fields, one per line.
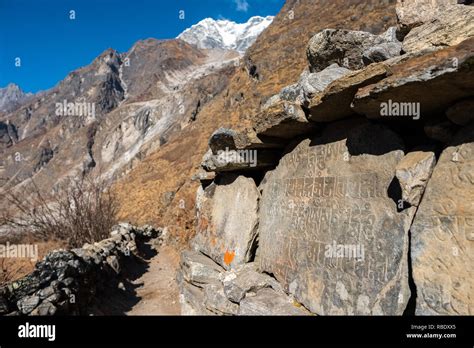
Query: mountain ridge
x=225 y=34
x=11 y=97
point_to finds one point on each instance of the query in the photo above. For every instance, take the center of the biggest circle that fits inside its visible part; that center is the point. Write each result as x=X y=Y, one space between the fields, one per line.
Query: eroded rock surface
x=432 y=83
x=330 y=194
x=227 y=220
x=269 y=302
x=413 y=13
x=443 y=234
x=334 y=103
x=351 y=49
x=450 y=25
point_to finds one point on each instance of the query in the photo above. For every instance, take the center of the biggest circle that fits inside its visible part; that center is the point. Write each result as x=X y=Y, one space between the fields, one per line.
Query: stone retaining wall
x=65 y=282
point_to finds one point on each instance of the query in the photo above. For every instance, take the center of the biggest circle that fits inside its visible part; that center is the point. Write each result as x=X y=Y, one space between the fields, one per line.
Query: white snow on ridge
x=225 y=34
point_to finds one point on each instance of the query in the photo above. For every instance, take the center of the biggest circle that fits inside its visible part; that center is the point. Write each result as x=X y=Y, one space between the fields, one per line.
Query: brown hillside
x=160 y=190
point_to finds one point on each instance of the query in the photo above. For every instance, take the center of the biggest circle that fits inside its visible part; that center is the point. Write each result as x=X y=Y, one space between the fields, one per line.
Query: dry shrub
x=78 y=211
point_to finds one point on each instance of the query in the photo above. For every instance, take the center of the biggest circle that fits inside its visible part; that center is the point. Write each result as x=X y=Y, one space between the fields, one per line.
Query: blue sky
x=50 y=44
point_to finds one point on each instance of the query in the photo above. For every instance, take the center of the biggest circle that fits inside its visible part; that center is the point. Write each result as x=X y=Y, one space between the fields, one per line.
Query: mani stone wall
x=66 y=282
x=349 y=211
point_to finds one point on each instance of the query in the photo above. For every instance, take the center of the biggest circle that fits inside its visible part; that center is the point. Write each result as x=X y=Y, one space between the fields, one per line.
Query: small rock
x=46 y=292
x=199 y=269
x=114 y=263
x=310 y=84
x=28 y=303
x=237 y=283
x=216 y=301
x=45 y=309
x=413 y=173
x=236 y=160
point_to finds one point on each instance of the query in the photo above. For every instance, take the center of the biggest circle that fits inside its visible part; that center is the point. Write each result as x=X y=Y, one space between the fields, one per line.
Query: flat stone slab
x=330 y=230
x=270 y=302
x=216 y=301
x=422 y=87
x=284 y=120
x=198 y=269
x=229 y=160
x=191 y=298
x=443 y=234
x=334 y=103
x=413 y=13
x=227 y=214
x=413 y=174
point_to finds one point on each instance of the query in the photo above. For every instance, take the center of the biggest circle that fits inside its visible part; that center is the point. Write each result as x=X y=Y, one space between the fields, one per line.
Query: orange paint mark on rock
x=228 y=257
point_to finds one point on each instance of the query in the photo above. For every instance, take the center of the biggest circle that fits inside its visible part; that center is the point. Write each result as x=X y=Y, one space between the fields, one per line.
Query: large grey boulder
x=443 y=234
x=330 y=230
x=451 y=26
x=227 y=219
x=350 y=49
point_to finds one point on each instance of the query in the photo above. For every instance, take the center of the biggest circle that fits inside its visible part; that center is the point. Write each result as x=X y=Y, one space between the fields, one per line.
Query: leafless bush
x=78 y=211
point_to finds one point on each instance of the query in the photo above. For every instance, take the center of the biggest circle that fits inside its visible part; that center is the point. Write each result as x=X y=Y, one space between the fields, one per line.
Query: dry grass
x=280 y=56
x=12 y=269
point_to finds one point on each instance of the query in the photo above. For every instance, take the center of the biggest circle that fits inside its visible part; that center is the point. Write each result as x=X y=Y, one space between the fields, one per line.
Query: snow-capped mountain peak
x=225 y=34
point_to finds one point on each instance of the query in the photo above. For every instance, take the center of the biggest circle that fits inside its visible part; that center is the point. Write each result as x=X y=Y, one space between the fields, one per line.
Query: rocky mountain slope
x=273 y=62
x=225 y=34
x=11 y=97
x=108 y=115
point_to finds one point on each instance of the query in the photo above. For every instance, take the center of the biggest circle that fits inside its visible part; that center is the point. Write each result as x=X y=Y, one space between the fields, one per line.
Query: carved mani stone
x=227 y=220
x=443 y=234
x=329 y=227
